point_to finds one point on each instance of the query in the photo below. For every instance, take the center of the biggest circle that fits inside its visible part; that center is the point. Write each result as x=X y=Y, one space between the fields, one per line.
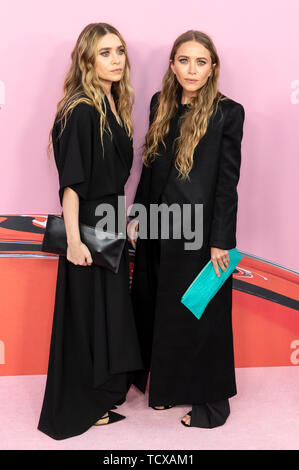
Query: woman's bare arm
x=77 y=252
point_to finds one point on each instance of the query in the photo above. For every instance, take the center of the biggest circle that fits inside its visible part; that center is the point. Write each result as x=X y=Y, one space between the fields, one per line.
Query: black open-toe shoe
x=113 y=418
x=166 y=407
x=187 y=425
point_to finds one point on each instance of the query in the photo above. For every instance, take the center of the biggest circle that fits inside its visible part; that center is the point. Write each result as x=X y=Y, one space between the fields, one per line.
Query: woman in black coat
x=192 y=155
x=94 y=341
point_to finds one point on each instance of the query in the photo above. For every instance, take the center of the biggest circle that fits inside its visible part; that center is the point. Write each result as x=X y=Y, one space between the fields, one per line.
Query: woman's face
x=110 y=58
x=192 y=66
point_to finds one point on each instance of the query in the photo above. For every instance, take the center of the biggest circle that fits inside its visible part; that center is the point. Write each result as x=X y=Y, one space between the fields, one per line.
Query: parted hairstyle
x=196 y=118
x=82 y=83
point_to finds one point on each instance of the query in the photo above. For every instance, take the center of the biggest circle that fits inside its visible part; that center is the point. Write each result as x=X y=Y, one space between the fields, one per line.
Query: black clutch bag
x=105 y=247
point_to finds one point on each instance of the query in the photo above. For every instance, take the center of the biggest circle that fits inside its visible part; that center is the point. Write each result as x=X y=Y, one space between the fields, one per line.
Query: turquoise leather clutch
x=207 y=283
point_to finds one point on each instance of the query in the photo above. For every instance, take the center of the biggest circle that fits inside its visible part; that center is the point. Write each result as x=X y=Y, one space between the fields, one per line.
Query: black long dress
x=94 y=342
x=190 y=361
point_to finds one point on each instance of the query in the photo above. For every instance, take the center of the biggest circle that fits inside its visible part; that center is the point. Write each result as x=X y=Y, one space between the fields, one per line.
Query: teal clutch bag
x=207 y=283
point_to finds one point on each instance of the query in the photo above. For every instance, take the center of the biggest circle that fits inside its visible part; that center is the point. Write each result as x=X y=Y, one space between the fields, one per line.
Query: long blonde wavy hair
x=196 y=118
x=82 y=83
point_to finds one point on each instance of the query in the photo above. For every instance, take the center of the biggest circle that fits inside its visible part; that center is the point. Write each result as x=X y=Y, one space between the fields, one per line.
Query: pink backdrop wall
x=258 y=47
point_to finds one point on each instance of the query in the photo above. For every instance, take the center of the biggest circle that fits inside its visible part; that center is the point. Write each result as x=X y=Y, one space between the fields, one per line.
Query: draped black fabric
x=94 y=343
x=210 y=415
x=190 y=361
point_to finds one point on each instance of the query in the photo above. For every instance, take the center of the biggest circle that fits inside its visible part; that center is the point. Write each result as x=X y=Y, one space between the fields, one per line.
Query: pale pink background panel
x=258 y=47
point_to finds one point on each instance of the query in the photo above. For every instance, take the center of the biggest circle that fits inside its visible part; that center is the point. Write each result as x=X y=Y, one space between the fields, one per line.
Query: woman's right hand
x=78 y=253
x=132 y=229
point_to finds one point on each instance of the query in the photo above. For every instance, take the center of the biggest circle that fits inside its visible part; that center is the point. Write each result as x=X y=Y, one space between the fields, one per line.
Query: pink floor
x=264 y=415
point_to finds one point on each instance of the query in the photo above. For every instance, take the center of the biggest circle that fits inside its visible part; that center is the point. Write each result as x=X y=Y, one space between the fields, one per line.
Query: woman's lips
x=116 y=71
x=191 y=80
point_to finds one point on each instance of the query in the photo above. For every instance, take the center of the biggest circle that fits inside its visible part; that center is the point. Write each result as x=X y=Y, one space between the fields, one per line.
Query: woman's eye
x=105 y=54
x=121 y=51
x=199 y=62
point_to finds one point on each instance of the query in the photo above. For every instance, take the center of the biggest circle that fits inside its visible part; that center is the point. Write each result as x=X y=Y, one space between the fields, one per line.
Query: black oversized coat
x=190 y=361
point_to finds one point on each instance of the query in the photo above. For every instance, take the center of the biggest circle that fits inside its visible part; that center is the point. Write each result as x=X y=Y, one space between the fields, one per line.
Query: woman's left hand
x=219 y=258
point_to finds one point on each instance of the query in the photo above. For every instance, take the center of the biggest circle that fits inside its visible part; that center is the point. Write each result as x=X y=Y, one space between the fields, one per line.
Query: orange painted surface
x=268 y=276
x=266 y=332
x=263 y=330
x=27 y=302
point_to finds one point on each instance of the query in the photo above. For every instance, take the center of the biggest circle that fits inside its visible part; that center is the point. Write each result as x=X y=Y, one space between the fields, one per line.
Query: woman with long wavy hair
x=94 y=343
x=191 y=157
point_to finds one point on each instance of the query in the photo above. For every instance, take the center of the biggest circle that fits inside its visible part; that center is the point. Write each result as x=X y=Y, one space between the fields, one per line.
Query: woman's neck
x=187 y=96
x=107 y=88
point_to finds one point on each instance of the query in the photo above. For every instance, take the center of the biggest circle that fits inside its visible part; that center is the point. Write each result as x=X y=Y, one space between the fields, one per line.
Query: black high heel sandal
x=166 y=407
x=187 y=425
x=113 y=418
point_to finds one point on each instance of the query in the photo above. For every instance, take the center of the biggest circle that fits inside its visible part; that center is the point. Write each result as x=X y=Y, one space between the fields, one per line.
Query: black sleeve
x=73 y=152
x=223 y=228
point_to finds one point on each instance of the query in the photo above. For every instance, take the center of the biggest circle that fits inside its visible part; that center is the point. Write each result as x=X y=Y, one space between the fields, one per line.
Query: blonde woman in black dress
x=192 y=155
x=94 y=343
